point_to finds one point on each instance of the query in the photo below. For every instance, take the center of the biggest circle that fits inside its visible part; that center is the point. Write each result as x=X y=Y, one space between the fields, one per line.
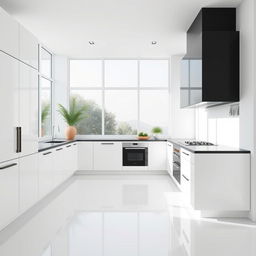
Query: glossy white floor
x=123 y=215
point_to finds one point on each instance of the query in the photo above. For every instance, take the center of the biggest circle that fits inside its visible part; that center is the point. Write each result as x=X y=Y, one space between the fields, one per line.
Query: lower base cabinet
x=9 y=191
x=107 y=156
x=28 y=181
x=45 y=173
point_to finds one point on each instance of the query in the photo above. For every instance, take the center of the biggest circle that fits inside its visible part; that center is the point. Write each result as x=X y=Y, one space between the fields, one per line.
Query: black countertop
x=44 y=145
x=216 y=149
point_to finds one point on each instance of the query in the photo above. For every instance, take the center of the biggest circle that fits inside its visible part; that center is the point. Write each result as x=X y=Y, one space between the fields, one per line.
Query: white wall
x=217 y=126
x=246 y=25
x=182 y=121
x=60 y=92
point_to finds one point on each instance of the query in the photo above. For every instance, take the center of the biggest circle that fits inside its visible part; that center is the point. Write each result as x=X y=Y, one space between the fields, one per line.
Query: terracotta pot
x=71 y=132
x=143 y=137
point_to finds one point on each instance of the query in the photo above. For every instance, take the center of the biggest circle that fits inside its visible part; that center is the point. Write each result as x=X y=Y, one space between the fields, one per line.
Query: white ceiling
x=120 y=28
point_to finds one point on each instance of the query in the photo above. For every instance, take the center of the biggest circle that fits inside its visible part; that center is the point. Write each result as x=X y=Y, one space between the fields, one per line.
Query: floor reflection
x=123 y=215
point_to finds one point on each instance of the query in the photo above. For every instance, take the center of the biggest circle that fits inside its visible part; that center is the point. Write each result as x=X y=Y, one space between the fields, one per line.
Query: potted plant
x=143 y=136
x=156 y=131
x=72 y=117
x=44 y=115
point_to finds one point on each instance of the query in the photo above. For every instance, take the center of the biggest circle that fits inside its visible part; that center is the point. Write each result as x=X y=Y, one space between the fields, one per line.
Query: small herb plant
x=75 y=113
x=143 y=134
x=157 y=130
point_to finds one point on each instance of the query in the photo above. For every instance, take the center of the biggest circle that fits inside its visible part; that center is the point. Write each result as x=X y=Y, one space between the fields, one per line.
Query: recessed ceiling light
x=91 y=42
x=154 y=42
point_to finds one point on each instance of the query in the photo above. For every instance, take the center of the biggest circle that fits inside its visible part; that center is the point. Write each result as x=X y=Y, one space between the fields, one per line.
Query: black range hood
x=210 y=69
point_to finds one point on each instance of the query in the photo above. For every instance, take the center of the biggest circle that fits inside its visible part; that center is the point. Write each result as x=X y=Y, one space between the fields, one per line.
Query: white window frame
x=103 y=88
x=51 y=79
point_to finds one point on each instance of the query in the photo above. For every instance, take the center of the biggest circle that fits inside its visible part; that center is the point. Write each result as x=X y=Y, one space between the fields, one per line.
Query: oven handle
x=135 y=148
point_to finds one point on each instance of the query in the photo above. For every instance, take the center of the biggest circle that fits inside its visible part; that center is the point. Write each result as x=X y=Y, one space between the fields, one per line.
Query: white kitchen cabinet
x=28 y=109
x=28 y=182
x=221 y=182
x=71 y=159
x=59 y=165
x=107 y=156
x=9 y=104
x=9 y=30
x=170 y=158
x=28 y=47
x=186 y=168
x=157 y=156
x=46 y=178
x=9 y=191
x=85 y=156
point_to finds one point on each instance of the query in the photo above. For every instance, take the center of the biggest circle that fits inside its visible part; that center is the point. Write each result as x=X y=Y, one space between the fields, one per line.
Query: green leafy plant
x=75 y=113
x=157 y=130
x=45 y=112
x=143 y=134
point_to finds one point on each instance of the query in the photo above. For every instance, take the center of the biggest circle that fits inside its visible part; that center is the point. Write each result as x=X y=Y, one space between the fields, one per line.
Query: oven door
x=133 y=156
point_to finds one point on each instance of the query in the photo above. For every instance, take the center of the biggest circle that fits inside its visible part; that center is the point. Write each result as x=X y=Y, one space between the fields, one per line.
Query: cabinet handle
x=18 y=139
x=185 y=153
x=107 y=143
x=74 y=144
x=58 y=149
x=185 y=177
x=7 y=166
x=68 y=146
x=47 y=153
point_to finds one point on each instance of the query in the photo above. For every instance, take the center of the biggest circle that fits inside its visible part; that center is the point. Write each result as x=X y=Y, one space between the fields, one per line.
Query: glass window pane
x=121 y=112
x=195 y=73
x=184 y=97
x=92 y=123
x=121 y=73
x=46 y=63
x=154 y=105
x=154 y=73
x=185 y=73
x=46 y=110
x=85 y=73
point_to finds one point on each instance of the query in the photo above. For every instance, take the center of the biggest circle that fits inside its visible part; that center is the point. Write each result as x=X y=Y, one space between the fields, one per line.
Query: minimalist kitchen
x=128 y=128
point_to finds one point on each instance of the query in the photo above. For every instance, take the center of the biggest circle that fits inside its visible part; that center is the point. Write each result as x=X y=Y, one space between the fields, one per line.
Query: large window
x=45 y=82
x=123 y=97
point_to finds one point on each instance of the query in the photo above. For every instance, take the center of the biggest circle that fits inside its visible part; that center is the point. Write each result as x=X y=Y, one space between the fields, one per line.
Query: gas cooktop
x=197 y=143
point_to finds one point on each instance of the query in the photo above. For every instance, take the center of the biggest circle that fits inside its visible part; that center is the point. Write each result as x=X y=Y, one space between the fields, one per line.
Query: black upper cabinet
x=210 y=69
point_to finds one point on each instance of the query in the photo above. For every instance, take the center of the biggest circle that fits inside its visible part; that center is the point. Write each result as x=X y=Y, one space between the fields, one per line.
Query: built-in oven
x=135 y=154
x=176 y=163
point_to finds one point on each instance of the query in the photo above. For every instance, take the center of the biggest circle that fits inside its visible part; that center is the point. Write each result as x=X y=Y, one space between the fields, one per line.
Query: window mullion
x=103 y=99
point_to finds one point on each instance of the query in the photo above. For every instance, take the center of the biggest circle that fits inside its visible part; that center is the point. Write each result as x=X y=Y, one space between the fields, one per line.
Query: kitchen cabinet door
x=9 y=30
x=170 y=158
x=45 y=173
x=69 y=156
x=107 y=156
x=9 y=103
x=28 y=46
x=60 y=162
x=85 y=156
x=28 y=181
x=28 y=109
x=157 y=156
x=9 y=191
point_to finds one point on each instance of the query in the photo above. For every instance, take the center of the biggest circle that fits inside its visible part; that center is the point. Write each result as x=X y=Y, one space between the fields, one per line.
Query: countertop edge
x=235 y=151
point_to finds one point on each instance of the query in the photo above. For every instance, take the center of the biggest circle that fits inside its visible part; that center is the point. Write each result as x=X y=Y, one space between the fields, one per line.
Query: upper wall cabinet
x=210 y=69
x=9 y=30
x=28 y=48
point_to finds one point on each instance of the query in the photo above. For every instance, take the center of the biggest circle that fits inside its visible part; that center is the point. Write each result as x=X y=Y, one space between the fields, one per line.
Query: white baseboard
x=163 y=172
